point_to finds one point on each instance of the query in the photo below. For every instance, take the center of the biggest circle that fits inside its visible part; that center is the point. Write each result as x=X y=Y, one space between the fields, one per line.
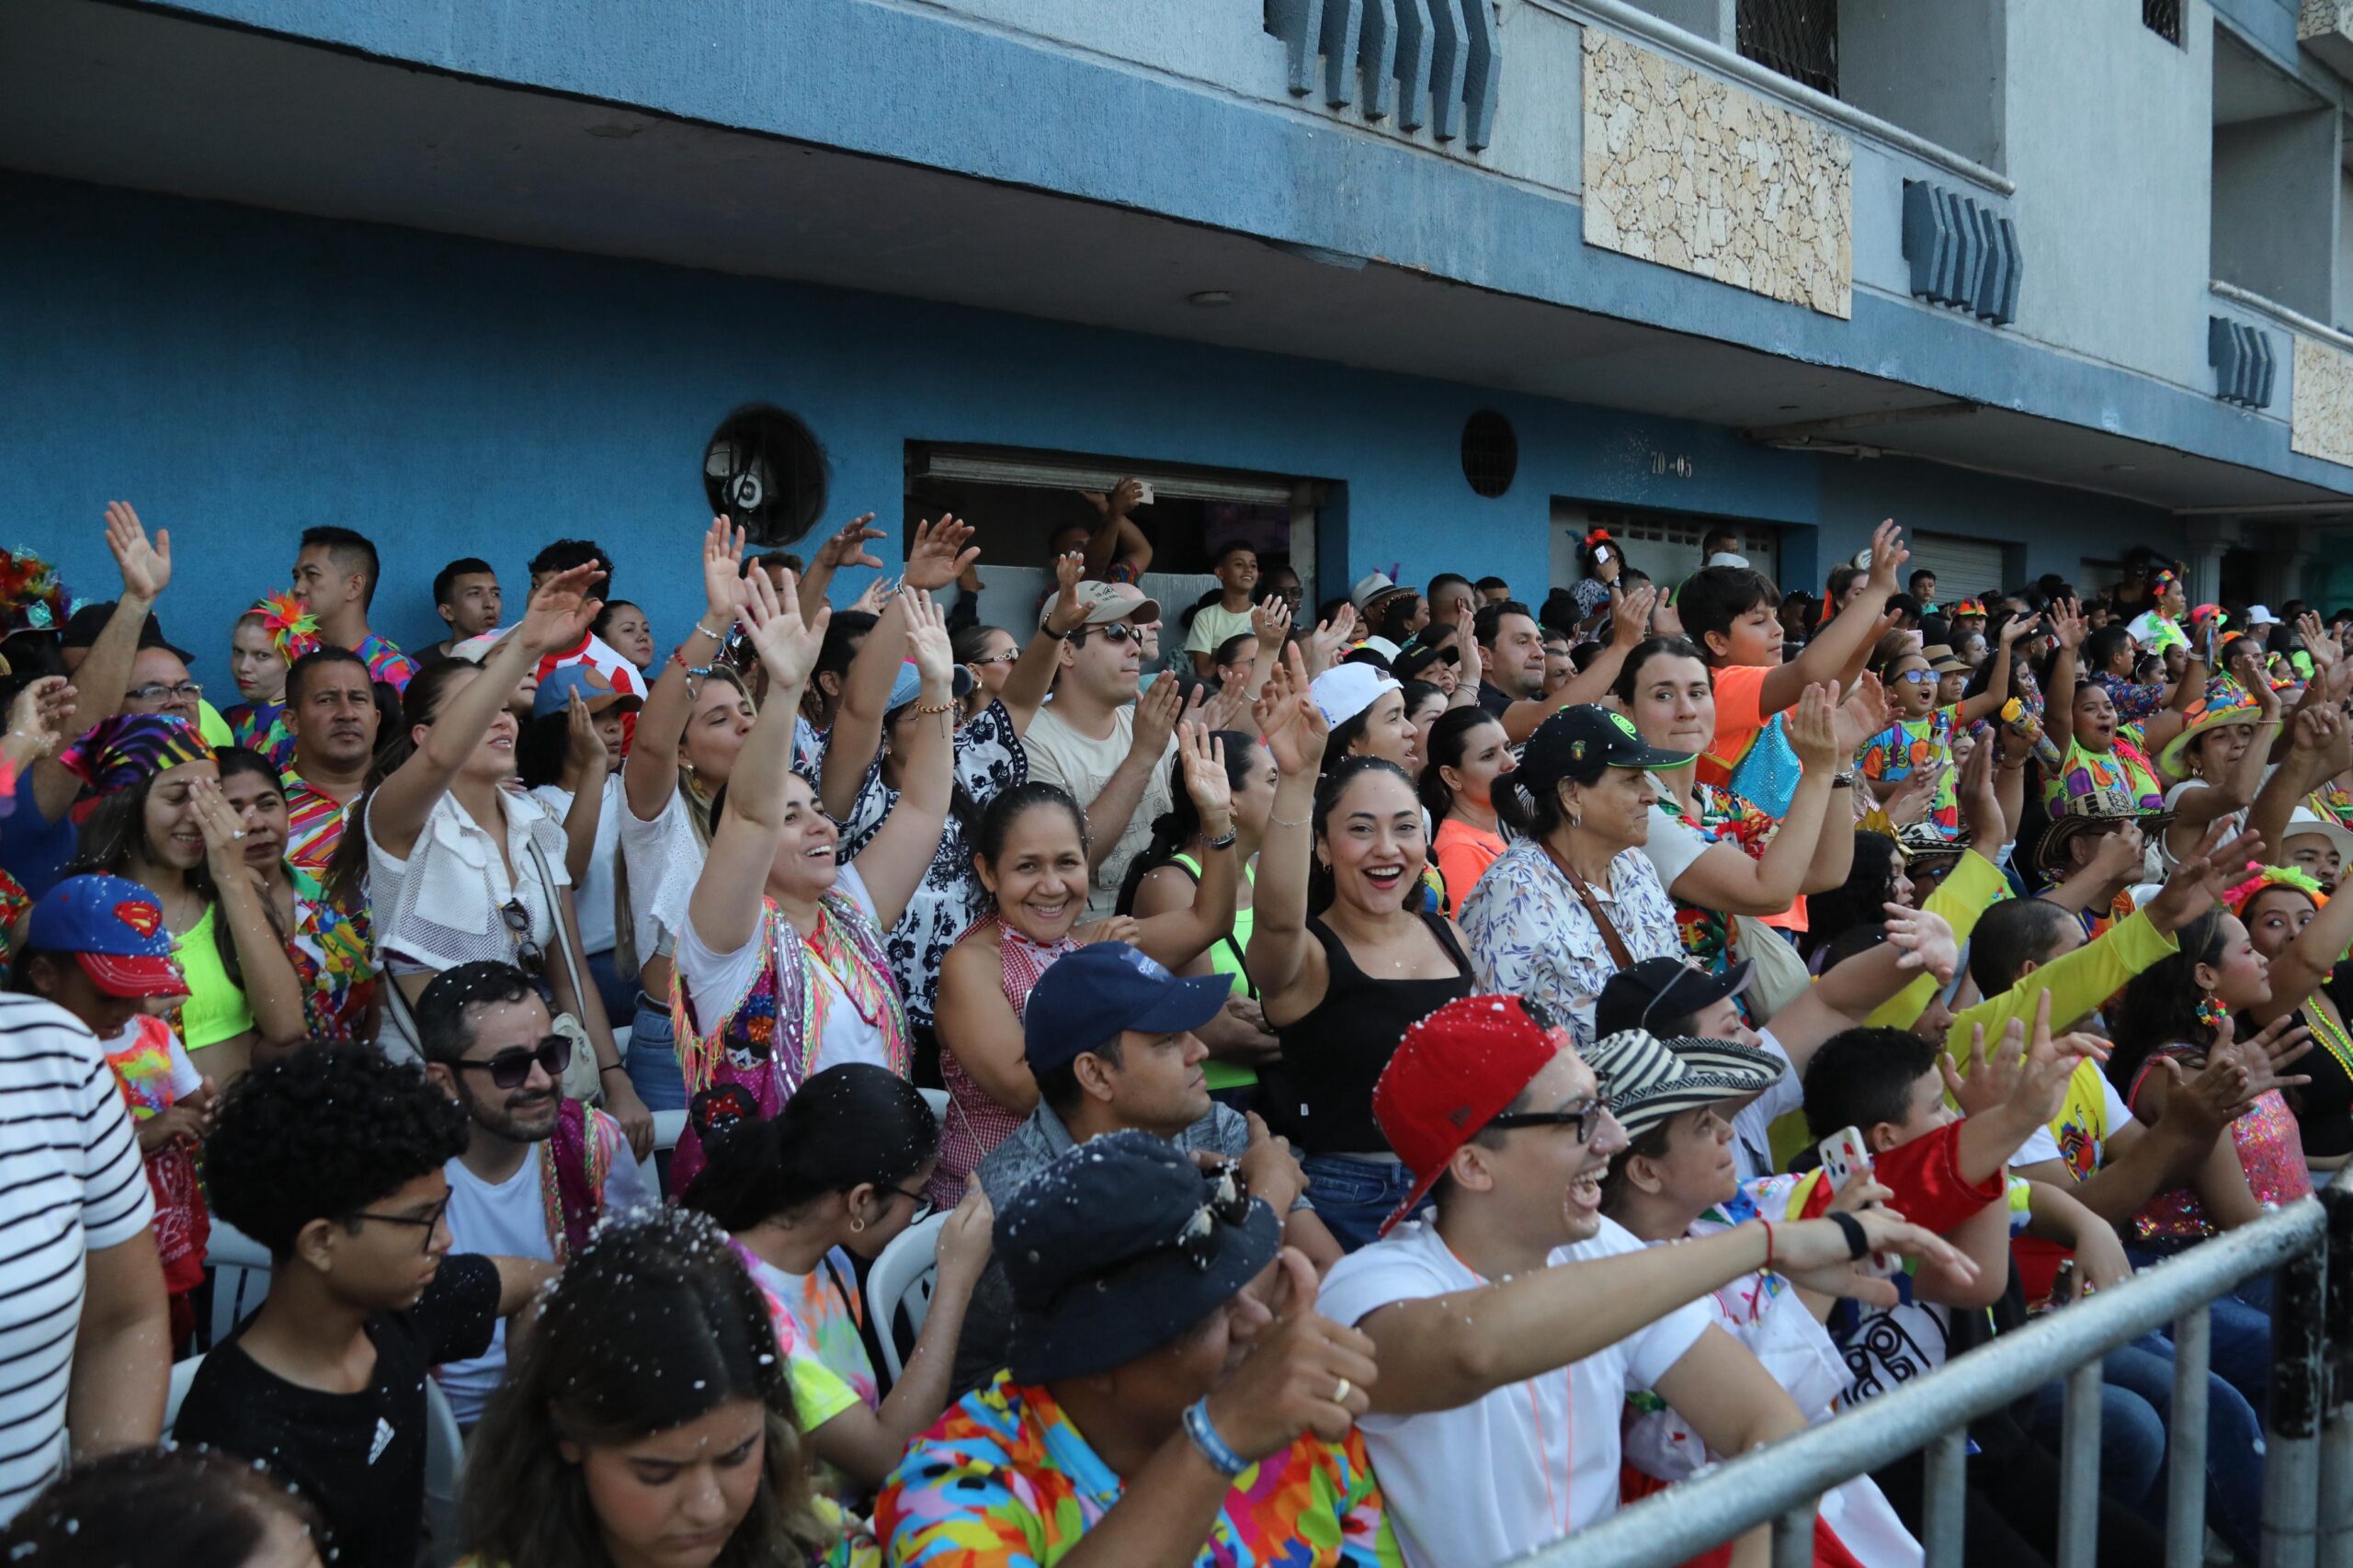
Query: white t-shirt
x=510 y=1221
x=715 y=982
x=2044 y=1142
x=1212 y=624
x=1527 y=1463
x=70 y=1165
x=1082 y=764
x=592 y=899
x=1673 y=845
x=1752 y=1125
x=664 y=857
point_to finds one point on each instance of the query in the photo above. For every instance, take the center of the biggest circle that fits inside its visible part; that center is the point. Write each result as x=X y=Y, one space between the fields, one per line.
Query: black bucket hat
x=1119 y=1248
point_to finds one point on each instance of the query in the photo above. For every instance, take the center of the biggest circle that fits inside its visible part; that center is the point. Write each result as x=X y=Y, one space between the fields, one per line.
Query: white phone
x=1601 y=555
x=1143 y=494
x=1844 y=1154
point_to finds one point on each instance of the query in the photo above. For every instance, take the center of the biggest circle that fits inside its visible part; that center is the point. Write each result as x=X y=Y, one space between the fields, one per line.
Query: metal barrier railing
x=2308 y=1466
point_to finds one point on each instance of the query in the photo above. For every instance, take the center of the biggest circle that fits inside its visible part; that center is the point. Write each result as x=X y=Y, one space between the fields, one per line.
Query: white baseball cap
x=1346 y=690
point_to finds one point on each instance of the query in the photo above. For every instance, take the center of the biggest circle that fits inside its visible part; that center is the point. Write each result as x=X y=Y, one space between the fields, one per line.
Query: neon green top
x=2077 y=983
x=215 y=1009
x=1225 y=958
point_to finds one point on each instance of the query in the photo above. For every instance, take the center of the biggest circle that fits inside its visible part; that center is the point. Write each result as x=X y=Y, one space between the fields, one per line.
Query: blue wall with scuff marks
x=240 y=374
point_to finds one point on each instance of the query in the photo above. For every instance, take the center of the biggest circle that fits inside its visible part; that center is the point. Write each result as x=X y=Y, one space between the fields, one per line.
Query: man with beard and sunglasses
x=539 y=1170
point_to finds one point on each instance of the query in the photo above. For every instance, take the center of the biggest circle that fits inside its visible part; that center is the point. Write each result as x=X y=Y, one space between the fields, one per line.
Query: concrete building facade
x=1405 y=284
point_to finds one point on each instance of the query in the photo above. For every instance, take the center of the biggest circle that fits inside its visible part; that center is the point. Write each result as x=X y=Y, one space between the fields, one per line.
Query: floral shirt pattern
x=1723 y=817
x=2134 y=702
x=1530 y=934
x=334 y=949
x=1909 y=744
x=989 y=761
x=1004 y=1480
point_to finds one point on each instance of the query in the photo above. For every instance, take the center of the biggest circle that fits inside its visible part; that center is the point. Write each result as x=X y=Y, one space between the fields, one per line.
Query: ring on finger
x=1340 y=1394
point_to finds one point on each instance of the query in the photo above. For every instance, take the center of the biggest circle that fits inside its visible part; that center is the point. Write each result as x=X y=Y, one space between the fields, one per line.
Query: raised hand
x=928 y=643
x=1812 y=728
x=224 y=834
x=1270 y=618
x=938 y=555
x=38 y=716
x=722 y=558
x=1813 y=1255
x=1981 y=803
x=2204 y=875
x=1329 y=637
x=2280 y=1045
x=787 y=646
x=1289 y=720
x=872 y=598
x=1863 y=713
x=1304 y=1374
x=2121 y=854
x=2018 y=626
x=585 y=760
x=848 y=545
x=561 y=610
x=1888 y=555
x=1925 y=939
x=1158 y=711
x=1269 y=1168
x=1630 y=614
x=964 y=1241
x=2068 y=620
x=1068 y=615
x=146 y=567
x=1914 y=796
x=1203 y=755
x=1111 y=929
x=2201 y=1104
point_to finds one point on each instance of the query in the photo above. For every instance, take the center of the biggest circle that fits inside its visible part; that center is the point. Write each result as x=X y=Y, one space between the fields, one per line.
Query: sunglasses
x=1117 y=631
x=529 y=956
x=1010 y=656
x=512 y=1068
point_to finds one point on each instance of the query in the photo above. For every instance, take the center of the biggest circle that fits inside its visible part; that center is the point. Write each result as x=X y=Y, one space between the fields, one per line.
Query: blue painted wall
x=240 y=374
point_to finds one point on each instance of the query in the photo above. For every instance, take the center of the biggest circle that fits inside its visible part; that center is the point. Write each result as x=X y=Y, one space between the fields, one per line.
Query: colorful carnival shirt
x=385 y=661
x=314 y=823
x=1004 y=1480
x=1722 y=817
x=1908 y=745
x=2120 y=780
x=334 y=949
x=2135 y=700
x=261 y=727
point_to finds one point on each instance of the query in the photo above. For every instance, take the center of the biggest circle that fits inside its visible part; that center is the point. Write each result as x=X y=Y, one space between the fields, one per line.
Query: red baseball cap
x=1454 y=1072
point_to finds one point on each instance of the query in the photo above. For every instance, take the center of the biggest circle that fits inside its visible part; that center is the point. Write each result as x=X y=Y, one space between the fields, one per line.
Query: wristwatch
x=1845 y=780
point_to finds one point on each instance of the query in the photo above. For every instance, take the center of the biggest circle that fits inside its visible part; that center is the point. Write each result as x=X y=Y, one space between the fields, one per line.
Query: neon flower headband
x=2239 y=897
x=293 y=629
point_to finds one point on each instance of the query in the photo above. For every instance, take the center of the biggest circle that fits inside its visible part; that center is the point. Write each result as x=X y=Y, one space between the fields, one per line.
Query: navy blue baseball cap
x=1119 y=1246
x=115 y=928
x=1088 y=998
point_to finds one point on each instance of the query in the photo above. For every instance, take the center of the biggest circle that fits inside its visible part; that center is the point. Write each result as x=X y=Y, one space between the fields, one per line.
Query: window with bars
x=2162 y=18
x=1798 y=39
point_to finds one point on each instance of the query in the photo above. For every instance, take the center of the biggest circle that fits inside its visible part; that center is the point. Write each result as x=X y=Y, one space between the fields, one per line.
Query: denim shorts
x=1352 y=1197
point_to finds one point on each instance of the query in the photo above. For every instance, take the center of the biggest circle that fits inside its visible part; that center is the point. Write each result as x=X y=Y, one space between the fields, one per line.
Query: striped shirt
x=70 y=1180
x=314 y=823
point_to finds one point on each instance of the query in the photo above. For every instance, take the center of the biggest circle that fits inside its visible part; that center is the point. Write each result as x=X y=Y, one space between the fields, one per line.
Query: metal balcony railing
x=2308 y=1463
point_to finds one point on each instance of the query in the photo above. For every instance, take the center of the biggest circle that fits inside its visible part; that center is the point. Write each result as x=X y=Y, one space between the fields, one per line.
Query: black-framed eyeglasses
x=426 y=1222
x=1585 y=1116
x=529 y=956
x=923 y=1204
x=511 y=1069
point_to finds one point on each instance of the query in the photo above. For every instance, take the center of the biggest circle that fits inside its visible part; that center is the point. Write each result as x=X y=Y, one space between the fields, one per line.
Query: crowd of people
x=1293 y=1052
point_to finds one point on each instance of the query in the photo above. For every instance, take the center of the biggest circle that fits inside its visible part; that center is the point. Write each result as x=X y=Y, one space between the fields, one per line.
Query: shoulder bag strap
x=562 y=922
x=1619 y=953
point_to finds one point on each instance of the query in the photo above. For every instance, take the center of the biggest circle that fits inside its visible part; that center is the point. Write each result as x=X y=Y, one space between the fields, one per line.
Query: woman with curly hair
x=649 y=1419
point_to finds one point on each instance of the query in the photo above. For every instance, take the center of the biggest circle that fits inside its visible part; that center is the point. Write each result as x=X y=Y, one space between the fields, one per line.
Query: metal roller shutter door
x=1964 y=567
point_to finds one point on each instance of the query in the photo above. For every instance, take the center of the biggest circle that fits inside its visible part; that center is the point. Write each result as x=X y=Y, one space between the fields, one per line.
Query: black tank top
x=1333 y=1055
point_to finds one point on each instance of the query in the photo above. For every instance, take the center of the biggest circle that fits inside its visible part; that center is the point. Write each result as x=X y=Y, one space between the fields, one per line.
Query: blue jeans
x=1353 y=1197
x=2240 y=1348
x=652 y=1062
x=620 y=998
x=2139 y=1379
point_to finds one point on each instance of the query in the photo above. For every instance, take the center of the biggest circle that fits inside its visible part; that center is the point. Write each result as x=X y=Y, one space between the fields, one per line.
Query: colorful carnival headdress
x=293 y=629
x=2295 y=877
x=32 y=594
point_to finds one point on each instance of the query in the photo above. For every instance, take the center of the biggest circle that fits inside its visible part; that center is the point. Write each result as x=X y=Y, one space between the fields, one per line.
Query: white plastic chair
x=902 y=1278
x=183 y=1378
x=937 y=1100
x=240 y=1267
